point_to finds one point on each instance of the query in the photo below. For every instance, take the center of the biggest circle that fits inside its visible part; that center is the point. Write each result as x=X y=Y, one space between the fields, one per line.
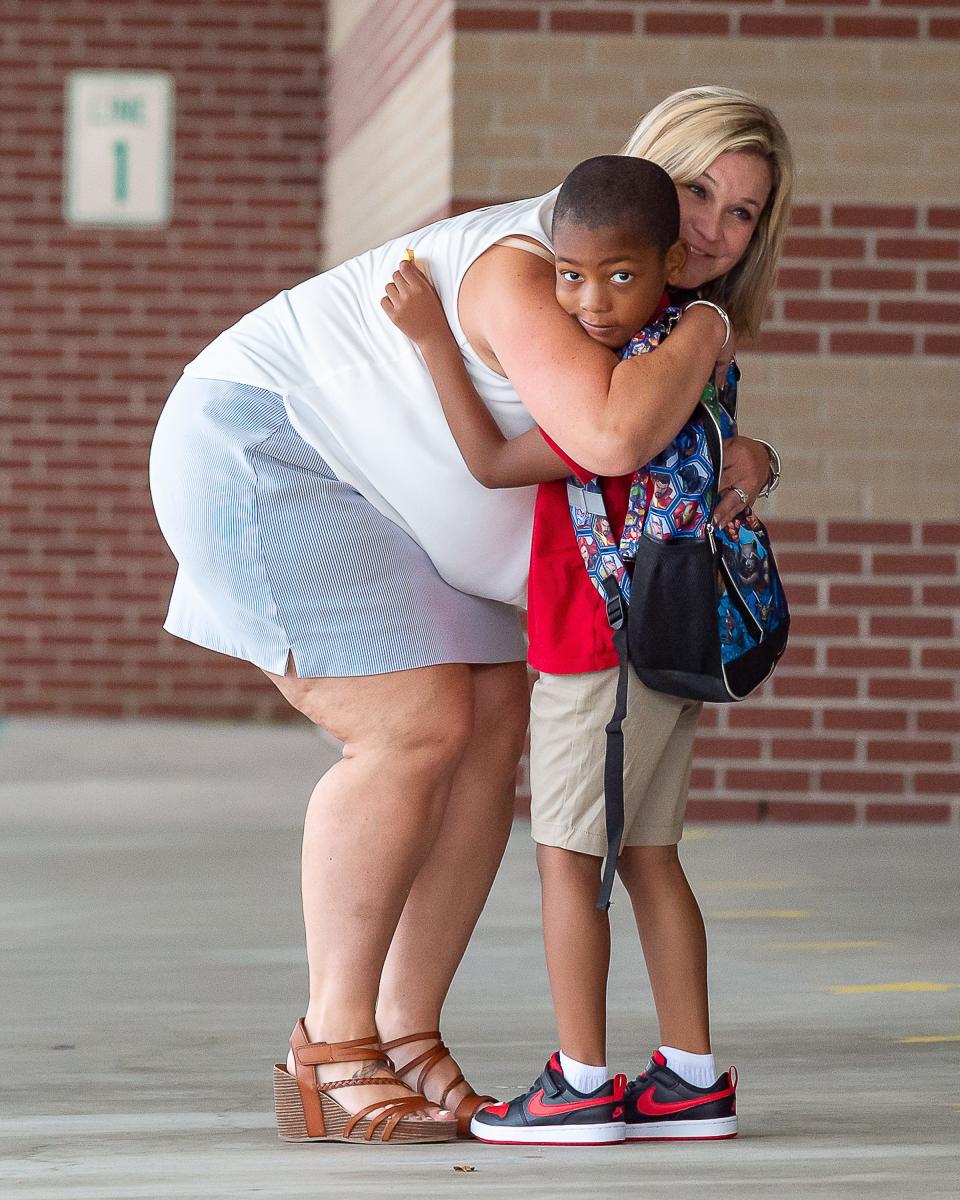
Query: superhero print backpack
x=697 y=611
x=704 y=609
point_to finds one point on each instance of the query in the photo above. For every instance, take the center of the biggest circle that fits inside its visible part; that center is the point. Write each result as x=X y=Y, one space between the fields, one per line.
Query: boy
x=616 y=244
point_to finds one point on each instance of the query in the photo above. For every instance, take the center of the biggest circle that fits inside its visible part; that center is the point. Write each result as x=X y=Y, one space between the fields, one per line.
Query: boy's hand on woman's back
x=412 y=304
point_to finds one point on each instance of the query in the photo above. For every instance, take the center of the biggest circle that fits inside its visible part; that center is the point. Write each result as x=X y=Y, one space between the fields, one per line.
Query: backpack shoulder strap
x=594 y=533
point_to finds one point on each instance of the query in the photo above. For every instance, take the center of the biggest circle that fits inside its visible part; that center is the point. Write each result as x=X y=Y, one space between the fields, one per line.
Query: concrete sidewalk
x=153 y=966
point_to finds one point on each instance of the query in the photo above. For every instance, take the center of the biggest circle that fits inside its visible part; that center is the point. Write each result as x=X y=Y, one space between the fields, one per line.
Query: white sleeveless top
x=357 y=390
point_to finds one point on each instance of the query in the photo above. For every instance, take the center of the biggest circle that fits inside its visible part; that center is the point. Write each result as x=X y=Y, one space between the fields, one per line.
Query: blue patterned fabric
x=671 y=497
x=745 y=550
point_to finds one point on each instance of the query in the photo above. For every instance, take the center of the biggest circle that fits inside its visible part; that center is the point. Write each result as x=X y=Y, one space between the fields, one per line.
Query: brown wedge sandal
x=306 y=1112
x=469 y=1105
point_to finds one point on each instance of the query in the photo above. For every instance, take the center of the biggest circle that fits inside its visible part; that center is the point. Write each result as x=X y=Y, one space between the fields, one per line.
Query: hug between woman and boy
x=618 y=257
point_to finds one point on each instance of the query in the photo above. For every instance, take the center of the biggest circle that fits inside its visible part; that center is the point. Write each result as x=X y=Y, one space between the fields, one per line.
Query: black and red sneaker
x=552 y=1113
x=662 y=1106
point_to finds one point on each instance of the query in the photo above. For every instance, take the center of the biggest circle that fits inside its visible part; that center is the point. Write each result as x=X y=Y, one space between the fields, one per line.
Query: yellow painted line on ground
x=698 y=834
x=857 y=989
x=927 y=1039
x=743 y=885
x=775 y=914
x=823 y=945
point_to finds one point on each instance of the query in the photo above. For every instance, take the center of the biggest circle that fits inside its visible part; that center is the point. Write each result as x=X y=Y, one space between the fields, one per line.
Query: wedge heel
x=306 y=1112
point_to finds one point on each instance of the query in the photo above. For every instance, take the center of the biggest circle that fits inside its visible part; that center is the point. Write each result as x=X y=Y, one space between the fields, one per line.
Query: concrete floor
x=152 y=968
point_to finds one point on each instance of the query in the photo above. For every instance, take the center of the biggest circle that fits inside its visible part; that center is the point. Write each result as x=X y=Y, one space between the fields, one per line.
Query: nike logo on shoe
x=646 y=1104
x=537 y=1108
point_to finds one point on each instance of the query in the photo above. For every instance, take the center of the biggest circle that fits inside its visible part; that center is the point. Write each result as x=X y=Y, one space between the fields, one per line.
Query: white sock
x=698 y=1069
x=582 y=1076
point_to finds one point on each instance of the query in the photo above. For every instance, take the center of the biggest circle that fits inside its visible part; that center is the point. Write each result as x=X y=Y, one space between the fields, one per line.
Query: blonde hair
x=684 y=134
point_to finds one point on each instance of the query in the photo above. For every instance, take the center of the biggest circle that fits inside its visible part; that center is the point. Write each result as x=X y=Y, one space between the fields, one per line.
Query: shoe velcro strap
x=549 y=1084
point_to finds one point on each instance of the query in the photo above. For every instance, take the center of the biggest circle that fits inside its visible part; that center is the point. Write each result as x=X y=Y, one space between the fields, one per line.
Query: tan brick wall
x=860 y=436
x=861 y=134
x=870 y=267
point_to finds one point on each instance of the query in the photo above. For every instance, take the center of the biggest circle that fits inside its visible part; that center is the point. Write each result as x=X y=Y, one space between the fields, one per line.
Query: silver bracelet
x=773 y=480
x=719 y=311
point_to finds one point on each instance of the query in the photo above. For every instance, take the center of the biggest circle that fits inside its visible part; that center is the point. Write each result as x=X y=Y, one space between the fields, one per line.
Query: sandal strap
x=312 y=1054
x=391 y=1111
x=471 y=1104
x=432 y=1035
x=307 y=1055
x=429 y=1059
x=361 y=1082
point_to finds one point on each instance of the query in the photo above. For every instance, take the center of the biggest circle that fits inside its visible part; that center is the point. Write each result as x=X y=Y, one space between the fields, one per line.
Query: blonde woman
x=328 y=532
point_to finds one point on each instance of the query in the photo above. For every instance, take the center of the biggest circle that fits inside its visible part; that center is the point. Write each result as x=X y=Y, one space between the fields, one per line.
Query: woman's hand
x=412 y=304
x=746 y=468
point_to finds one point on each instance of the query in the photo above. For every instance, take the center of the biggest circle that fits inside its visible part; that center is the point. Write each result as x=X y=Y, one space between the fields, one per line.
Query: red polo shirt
x=566 y=615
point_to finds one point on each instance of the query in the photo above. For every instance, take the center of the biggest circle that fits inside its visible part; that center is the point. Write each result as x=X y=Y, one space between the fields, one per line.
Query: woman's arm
x=496 y=461
x=610 y=417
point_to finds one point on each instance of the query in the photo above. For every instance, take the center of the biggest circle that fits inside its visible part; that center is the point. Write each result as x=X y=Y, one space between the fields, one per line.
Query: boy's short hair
x=618 y=191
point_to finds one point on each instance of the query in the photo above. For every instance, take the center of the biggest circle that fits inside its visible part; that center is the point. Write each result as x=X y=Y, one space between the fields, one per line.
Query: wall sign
x=119 y=148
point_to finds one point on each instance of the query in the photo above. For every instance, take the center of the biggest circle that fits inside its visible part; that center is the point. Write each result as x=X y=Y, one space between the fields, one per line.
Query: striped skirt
x=278 y=557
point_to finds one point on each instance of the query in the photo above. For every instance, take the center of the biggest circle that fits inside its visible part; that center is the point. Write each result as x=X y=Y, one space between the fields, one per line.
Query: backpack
x=698 y=612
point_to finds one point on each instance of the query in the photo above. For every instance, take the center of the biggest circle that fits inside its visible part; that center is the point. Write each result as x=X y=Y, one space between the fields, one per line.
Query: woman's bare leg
x=453 y=883
x=370 y=827
x=576 y=938
x=674 y=943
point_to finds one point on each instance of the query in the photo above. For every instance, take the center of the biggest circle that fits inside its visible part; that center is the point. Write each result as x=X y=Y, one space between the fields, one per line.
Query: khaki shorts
x=568 y=714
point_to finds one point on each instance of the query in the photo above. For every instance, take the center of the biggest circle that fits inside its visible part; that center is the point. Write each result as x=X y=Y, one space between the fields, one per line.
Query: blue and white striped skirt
x=277 y=556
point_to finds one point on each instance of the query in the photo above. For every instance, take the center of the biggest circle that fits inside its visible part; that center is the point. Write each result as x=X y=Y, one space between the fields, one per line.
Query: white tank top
x=357 y=390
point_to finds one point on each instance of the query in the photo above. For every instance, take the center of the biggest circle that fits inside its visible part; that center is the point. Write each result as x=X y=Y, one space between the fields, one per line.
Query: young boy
x=616 y=244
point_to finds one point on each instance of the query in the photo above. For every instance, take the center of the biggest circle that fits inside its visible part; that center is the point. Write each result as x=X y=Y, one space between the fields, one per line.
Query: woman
x=328 y=532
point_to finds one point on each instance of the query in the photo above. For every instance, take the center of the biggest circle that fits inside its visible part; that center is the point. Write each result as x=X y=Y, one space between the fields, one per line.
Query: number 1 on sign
x=121 y=165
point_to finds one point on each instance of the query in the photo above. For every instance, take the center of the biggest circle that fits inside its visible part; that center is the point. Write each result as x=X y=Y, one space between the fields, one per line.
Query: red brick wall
x=96 y=325
x=868 y=279
x=718 y=18
x=860 y=721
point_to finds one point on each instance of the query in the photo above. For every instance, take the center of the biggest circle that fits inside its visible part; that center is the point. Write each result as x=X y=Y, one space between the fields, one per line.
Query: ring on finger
x=744 y=498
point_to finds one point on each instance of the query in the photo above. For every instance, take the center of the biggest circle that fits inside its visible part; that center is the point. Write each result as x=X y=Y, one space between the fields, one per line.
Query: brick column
x=390 y=147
